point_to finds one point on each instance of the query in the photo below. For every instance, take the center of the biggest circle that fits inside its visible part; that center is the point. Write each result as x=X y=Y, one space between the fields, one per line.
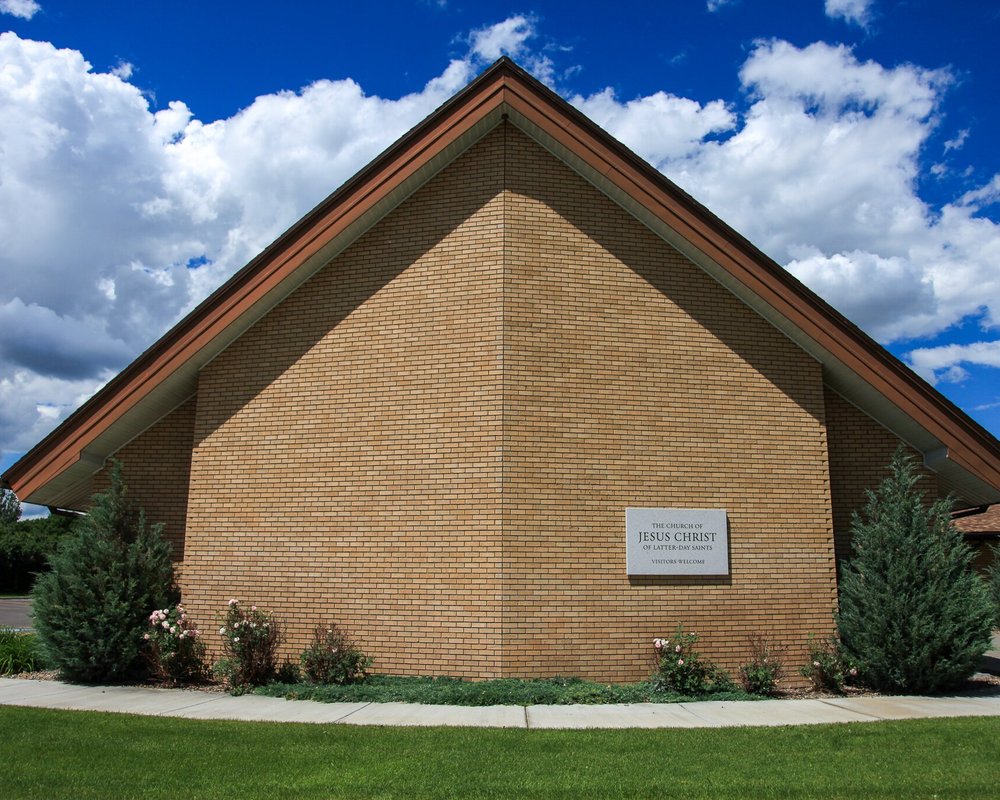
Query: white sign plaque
x=676 y=541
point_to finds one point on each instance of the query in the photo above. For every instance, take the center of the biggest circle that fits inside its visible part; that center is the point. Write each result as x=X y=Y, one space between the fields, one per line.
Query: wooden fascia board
x=66 y=443
x=971 y=449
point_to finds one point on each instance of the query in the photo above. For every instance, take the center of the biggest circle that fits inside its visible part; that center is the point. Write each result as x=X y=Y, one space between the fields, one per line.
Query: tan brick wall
x=633 y=379
x=347 y=446
x=156 y=467
x=860 y=451
x=433 y=441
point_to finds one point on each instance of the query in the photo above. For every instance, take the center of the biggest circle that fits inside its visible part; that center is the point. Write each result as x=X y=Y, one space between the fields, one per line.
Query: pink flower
x=677 y=649
x=236 y=638
x=165 y=625
x=657 y=643
x=222 y=631
x=680 y=662
x=815 y=663
x=853 y=671
x=145 y=636
x=173 y=629
x=253 y=608
x=234 y=602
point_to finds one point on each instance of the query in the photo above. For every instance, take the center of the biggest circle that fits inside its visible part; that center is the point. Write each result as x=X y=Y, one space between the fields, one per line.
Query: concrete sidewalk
x=194 y=704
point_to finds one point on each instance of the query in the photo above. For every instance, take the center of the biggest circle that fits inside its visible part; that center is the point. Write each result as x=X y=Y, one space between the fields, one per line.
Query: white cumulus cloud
x=25 y=9
x=820 y=172
x=116 y=218
x=856 y=11
x=667 y=126
x=945 y=363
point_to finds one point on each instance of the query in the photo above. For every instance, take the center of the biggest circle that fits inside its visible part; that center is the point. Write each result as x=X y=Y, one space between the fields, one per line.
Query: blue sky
x=148 y=150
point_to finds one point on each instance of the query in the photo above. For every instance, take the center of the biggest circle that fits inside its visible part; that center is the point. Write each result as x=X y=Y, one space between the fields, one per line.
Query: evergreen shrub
x=993 y=584
x=914 y=617
x=92 y=608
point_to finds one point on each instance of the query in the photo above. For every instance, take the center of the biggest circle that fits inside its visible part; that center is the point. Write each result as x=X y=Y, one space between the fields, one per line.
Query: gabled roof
x=965 y=456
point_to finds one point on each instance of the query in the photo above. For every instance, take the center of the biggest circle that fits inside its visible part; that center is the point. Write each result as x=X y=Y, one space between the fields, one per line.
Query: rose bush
x=250 y=639
x=681 y=670
x=176 y=651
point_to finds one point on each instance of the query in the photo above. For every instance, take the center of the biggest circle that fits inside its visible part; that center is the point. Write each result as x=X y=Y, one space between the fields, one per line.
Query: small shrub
x=90 y=610
x=914 y=616
x=681 y=670
x=331 y=657
x=250 y=640
x=765 y=669
x=176 y=651
x=827 y=669
x=993 y=584
x=288 y=672
x=19 y=652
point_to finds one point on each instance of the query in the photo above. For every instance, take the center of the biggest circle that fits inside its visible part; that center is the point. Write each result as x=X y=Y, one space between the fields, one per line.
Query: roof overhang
x=966 y=457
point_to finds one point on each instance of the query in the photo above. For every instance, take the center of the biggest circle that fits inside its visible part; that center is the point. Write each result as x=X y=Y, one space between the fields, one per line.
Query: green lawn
x=53 y=754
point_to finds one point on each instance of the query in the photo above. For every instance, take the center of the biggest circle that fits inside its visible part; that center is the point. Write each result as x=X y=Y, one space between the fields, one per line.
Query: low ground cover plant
x=19 y=652
x=332 y=657
x=176 y=650
x=506 y=691
x=681 y=670
x=250 y=640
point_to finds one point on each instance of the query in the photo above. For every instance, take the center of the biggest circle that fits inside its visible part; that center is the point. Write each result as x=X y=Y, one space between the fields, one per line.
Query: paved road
x=15 y=612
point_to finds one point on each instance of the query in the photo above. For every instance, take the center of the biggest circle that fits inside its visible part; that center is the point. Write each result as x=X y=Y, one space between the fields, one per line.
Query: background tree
x=913 y=615
x=92 y=608
x=10 y=508
x=25 y=549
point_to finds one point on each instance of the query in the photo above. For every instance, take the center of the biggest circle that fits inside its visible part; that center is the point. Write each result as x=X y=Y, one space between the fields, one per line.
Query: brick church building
x=424 y=410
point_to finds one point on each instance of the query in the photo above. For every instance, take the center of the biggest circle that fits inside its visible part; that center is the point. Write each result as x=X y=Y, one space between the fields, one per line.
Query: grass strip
x=84 y=755
x=458 y=692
